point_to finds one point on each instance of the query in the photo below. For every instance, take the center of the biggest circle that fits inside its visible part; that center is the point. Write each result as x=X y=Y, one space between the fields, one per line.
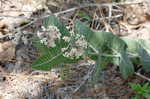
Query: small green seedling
x=142 y=92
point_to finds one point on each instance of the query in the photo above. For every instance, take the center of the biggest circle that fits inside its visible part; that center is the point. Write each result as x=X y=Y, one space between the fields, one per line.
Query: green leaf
x=147 y=95
x=146 y=85
x=98 y=69
x=46 y=63
x=145 y=44
x=145 y=54
x=126 y=67
x=133 y=45
x=138 y=47
x=82 y=28
x=84 y=15
x=101 y=40
x=41 y=47
x=52 y=56
x=133 y=86
x=54 y=21
x=142 y=91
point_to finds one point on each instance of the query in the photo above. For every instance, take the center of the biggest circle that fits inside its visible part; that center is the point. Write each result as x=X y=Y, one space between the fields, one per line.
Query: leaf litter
x=28 y=83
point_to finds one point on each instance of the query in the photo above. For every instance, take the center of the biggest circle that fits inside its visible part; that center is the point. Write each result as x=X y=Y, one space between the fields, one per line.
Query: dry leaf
x=1 y=70
x=7 y=51
x=18 y=86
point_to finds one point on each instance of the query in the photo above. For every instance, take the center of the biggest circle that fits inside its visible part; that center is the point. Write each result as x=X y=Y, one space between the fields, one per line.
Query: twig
x=36 y=19
x=110 y=13
x=21 y=17
x=142 y=76
x=85 y=79
x=83 y=6
x=112 y=17
x=20 y=28
x=15 y=11
x=3 y=36
x=98 y=4
x=105 y=55
x=73 y=9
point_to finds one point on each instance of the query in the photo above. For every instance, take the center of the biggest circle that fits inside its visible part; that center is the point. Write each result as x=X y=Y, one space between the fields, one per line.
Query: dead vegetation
x=20 y=18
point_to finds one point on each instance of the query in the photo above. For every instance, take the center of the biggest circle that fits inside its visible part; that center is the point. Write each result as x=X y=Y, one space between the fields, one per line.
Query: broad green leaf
x=145 y=44
x=46 y=63
x=43 y=49
x=100 y=40
x=138 y=47
x=145 y=60
x=49 y=59
x=125 y=65
x=145 y=54
x=133 y=46
x=82 y=28
x=98 y=69
x=54 y=21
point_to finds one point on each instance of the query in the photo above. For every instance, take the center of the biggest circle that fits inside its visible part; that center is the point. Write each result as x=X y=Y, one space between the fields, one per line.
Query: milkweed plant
x=60 y=45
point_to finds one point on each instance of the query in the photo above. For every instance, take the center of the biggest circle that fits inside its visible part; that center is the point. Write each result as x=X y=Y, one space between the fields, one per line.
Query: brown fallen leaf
x=7 y=51
x=1 y=48
x=1 y=69
x=19 y=86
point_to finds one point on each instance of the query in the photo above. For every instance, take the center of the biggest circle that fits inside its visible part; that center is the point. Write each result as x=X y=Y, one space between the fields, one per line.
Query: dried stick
x=85 y=5
x=85 y=79
x=142 y=76
x=73 y=9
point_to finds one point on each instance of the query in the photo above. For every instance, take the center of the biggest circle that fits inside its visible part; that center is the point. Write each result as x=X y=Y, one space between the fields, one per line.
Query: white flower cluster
x=77 y=49
x=66 y=38
x=49 y=35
